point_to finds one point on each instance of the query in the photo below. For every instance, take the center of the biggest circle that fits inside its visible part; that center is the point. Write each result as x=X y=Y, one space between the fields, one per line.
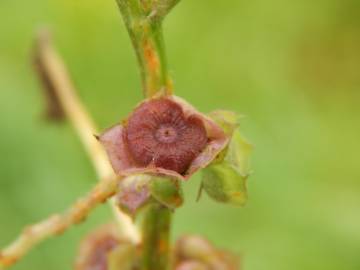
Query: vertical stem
x=145 y=31
x=155 y=228
x=143 y=20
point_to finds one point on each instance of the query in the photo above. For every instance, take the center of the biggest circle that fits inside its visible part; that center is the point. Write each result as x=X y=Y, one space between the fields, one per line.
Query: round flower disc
x=158 y=133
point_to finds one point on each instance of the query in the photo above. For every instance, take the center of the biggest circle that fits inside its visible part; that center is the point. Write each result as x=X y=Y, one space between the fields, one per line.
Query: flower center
x=159 y=133
x=166 y=134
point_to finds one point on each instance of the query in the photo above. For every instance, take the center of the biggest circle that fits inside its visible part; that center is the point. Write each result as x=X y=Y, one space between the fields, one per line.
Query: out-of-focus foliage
x=292 y=67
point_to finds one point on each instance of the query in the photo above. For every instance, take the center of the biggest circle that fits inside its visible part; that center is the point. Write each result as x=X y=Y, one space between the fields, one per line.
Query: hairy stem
x=155 y=229
x=143 y=20
x=62 y=94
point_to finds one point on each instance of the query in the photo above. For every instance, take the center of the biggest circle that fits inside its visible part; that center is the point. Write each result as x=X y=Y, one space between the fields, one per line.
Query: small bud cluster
x=104 y=249
x=193 y=252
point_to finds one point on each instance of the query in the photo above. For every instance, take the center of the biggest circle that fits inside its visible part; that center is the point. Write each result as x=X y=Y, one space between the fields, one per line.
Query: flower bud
x=192 y=265
x=193 y=247
x=225 y=179
x=103 y=249
x=227 y=120
x=225 y=184
x=167 y=191
x=195 y=252
x=133 y=193
x=138 y=190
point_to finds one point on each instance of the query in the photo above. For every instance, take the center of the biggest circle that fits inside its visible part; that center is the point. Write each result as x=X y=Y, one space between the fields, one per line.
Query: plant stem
x=155 y=228
x=57 y=224
x=143 y=20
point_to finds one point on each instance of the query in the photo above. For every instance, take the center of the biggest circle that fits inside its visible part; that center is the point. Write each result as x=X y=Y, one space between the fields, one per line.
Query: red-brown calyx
x=163 y=136
x=158 y=133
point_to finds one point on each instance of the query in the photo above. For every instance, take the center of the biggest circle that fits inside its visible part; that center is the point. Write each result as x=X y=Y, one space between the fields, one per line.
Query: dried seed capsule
x=158 y=133
x=164 y=136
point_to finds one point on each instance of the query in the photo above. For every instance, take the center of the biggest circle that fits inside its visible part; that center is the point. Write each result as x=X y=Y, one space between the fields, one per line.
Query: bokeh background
x=291 y=67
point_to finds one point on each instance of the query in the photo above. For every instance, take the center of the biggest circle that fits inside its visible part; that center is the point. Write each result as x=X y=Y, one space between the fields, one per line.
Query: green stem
x=143 y=19
x=155 y=228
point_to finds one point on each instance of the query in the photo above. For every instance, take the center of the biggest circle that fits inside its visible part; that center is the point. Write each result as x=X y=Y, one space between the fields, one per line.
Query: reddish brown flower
x=95 y=248
x=163 y=136
x=192 y=252
x=158 y=133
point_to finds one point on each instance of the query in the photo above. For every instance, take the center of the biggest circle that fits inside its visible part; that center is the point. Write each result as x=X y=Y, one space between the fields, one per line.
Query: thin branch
x=61 y=95
x=57 y=224
x=61 y=92
x=60 y=88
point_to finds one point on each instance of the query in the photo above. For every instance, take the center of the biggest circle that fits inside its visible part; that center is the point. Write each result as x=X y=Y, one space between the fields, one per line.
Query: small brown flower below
x=94 y=249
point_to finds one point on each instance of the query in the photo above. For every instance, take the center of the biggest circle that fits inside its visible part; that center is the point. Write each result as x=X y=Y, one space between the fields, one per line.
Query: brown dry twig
x=64 y=102
x=57 y=224
x=60 y=89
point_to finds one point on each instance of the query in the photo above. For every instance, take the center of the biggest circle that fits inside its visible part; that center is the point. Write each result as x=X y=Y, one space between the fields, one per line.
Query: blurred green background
x=292 y=67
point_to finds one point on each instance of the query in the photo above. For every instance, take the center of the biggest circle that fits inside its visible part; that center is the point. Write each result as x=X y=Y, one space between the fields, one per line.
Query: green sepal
x=225 y=178
x=167 y=191
x=238 y=154
x=227 y=120
x=224 y=183
x=138 y=190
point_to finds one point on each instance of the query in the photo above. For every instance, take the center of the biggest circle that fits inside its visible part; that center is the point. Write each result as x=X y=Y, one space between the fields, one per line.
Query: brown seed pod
x=165 y=136
x=159 y=133
x=95 y=248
